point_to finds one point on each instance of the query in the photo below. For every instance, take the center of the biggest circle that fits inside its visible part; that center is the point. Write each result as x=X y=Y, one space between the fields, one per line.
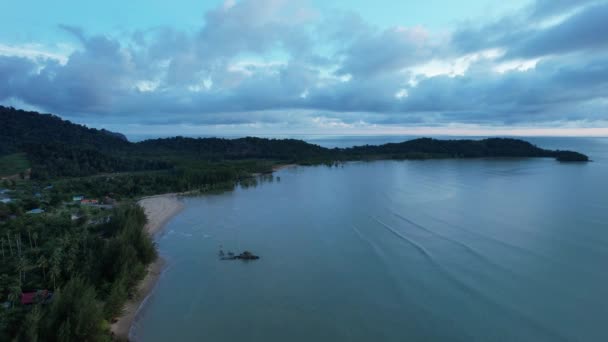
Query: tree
x=29 y=234
x=6 y=283
x=75 y=314
x=35 y=236
x=4 y=211
x=43 y=263
x=116 y=299
x=32 y=324
x=56 y=266
x=14 y=295
x=8 y=238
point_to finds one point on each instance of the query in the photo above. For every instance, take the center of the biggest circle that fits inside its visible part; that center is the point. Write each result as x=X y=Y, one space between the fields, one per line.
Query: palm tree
x=15 y=294
x=29 y=234
x=35 y=236
x=43 y=263
x=8 y=238
x=55 y=266
x=22 y=266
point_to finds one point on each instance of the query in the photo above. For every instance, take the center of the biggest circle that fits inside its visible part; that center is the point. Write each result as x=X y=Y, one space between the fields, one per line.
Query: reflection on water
x=487 y=249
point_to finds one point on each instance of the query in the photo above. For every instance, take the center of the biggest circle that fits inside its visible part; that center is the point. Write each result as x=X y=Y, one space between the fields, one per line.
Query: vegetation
x=92 y=269
x=569 y=156
x=13 y=164
x=58 y=148
x=199 y=176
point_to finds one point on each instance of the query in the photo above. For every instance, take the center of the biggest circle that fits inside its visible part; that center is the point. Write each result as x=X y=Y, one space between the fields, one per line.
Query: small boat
x=246 y=255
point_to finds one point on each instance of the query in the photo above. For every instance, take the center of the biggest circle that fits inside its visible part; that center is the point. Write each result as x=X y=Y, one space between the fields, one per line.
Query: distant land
x=59 y=148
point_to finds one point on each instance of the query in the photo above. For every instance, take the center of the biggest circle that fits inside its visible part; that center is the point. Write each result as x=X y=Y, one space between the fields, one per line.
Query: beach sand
x=159 y=209
x=282 y=166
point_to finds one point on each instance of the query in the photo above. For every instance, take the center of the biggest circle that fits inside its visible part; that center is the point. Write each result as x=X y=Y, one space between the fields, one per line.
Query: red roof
x=30 y=297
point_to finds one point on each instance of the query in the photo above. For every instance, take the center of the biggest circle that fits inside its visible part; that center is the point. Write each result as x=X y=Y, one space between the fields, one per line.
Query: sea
x=494 y=249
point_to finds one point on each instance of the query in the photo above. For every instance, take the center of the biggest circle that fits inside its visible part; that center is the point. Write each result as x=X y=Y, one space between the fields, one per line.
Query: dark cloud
x=583 y=31
x=524 y=35
x=13 y=72
x=551 y=91
x=280 y=62
x=386 y=51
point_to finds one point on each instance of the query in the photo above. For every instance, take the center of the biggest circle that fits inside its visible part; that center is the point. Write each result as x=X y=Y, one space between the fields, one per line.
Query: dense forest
x=72 y=239
x=58 y=148
x=90 y=269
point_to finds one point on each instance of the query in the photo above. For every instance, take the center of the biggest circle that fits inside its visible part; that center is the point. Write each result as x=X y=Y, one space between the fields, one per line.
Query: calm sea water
x=469 y=250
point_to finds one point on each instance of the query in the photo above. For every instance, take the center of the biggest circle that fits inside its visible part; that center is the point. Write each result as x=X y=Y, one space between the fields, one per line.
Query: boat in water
x=246 y=255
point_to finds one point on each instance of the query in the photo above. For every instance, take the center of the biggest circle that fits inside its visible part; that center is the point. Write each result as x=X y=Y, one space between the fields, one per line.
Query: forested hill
x=59 y=148
x=21 y=128
x=461 y=148
x=242 y=148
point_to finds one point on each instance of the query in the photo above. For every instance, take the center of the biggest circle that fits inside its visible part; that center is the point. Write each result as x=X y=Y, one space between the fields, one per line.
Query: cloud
x=280 y=62
x=13 y=70
x=554 y=90
x=583 y=31
x=541 y=9
x=526 y=35
x=386 y=51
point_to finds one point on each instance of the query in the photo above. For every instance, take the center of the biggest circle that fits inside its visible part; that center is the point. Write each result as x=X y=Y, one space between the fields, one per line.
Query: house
x=4 y=198
x=43 y=296
x=89 y=201
x=77 y=198
x=35 y=211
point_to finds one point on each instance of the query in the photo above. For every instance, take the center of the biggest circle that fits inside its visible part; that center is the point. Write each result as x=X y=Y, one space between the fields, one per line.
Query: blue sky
x=530 y=67
x=37 y=20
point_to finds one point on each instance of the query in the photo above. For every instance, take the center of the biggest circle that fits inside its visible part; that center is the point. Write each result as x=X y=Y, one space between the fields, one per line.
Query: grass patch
x=13 y=164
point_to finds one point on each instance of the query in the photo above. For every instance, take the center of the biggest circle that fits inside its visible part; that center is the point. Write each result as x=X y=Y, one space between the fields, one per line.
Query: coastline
x=282 y=166
x=159 y=210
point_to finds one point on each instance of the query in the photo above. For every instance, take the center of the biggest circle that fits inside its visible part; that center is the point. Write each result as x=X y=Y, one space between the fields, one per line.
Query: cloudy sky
x=186 y=67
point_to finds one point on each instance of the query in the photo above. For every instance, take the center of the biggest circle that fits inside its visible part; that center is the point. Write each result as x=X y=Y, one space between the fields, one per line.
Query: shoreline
x=159 y=210
x=282 y=166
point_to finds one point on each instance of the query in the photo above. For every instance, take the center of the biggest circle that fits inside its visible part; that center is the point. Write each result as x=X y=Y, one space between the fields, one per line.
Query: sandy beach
x=159 y=209
x=282 y=166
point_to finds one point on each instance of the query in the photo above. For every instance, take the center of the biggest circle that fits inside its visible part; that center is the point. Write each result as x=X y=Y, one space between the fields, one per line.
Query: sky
x=263 y=67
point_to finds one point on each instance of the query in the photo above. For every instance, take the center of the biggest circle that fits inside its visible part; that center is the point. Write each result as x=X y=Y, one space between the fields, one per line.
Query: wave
x=494 y=264
x=468 y=248
x=471 y=291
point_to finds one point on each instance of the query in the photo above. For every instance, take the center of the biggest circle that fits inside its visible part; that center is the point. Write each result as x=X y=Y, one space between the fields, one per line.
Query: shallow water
x=487 y=249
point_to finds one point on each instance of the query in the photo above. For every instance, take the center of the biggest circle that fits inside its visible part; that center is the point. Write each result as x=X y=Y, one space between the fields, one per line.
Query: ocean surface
x=459 y=250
